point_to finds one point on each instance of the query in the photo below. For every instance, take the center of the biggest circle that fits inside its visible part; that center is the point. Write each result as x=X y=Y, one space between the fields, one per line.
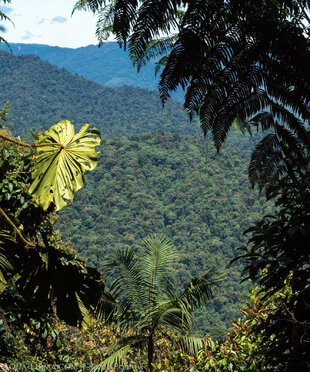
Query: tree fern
x=246 y=60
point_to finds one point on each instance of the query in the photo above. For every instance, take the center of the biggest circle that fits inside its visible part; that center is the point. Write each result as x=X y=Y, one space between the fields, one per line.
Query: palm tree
x=148 y=302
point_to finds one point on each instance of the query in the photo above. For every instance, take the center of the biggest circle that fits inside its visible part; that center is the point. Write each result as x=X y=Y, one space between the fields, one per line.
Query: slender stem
x=24 y=144
x=14 y=228
x=17 y=172
x=150 y=353
x=13 y=140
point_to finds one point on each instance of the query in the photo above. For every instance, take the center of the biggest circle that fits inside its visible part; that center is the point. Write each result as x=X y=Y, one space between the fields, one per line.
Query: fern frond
x=117 y=358
x=127 y=275
x=263 y=160
x=199 y=290
x=159 y=255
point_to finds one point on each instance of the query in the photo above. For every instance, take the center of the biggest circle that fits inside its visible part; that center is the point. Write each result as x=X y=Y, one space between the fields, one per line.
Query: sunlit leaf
x=61 y=161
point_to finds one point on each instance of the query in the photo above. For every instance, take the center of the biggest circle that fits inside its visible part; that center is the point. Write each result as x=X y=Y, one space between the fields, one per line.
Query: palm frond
x=271 y=157
x=120 y=350
x=92 y=5
x=106 y=308
x=156 y=48
x=85 y=314
x=5 y=263
x=159 y=255
x=128 y=284
x=190 y=344
x=171 y=313
x=117 y=358
x=104 y=25
x=263 y=160
x=152 y=20
x=4 y=267
x=125 y=14
x=199 y=290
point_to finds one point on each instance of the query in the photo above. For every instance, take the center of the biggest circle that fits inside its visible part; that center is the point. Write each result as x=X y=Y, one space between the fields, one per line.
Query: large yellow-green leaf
x=5 y=264
x=61 y=161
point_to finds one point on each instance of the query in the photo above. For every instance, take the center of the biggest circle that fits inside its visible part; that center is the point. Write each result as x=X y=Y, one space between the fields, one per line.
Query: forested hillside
x=108 y=65
x=146 y=183
x=162 y=217
x=41 y=94
x=166 y=183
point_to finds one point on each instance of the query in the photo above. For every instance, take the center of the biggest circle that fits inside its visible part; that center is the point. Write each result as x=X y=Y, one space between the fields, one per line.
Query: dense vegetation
x=46 y=279
x=246 y=62
x=169 y=184
x=247 y=67
x=41 y=94
x=149 y=183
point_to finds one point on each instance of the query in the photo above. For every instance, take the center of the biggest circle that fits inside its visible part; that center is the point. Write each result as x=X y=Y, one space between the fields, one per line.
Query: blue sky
x=49 y=22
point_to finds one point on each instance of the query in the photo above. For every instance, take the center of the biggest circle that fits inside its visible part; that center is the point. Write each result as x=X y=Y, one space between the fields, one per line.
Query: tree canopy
x=37 y=179
x=235 y=60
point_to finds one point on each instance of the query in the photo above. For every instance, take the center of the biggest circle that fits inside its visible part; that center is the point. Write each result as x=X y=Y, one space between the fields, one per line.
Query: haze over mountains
x=108 y=65
x=41 y=94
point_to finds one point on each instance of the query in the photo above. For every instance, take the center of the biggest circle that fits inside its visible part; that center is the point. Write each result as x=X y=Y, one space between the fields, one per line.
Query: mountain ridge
x=41 y=94
x=110 y=65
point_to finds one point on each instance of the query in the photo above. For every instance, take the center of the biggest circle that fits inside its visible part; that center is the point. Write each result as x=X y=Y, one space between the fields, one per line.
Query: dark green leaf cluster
x=279 y=245
x=51 y=278
x=18 y=317
x=14 y=181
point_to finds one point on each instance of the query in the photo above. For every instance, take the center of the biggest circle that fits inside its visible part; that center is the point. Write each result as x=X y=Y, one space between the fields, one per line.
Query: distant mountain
x=41 y=94
x=108 y=65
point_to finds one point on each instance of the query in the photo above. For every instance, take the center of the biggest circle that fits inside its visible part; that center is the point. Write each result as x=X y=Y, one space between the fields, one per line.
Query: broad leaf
x=5 y=264
x=61 y=161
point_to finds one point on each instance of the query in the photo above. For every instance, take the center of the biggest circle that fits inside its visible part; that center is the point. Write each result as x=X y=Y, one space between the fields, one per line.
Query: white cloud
x=27 y=36
x=35 y=16
x=59 y=19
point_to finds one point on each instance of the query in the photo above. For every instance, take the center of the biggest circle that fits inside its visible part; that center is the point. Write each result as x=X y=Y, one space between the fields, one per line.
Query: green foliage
x=175 y=186
x=242 y=61
x=47 y=275
x=51 y=279
x=60 y=163
x=279 y=244
x=15 y=178
x=148 y=301
x=240 y=349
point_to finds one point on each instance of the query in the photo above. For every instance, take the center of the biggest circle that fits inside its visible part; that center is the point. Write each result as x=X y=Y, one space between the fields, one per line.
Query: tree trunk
x=150 y=353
